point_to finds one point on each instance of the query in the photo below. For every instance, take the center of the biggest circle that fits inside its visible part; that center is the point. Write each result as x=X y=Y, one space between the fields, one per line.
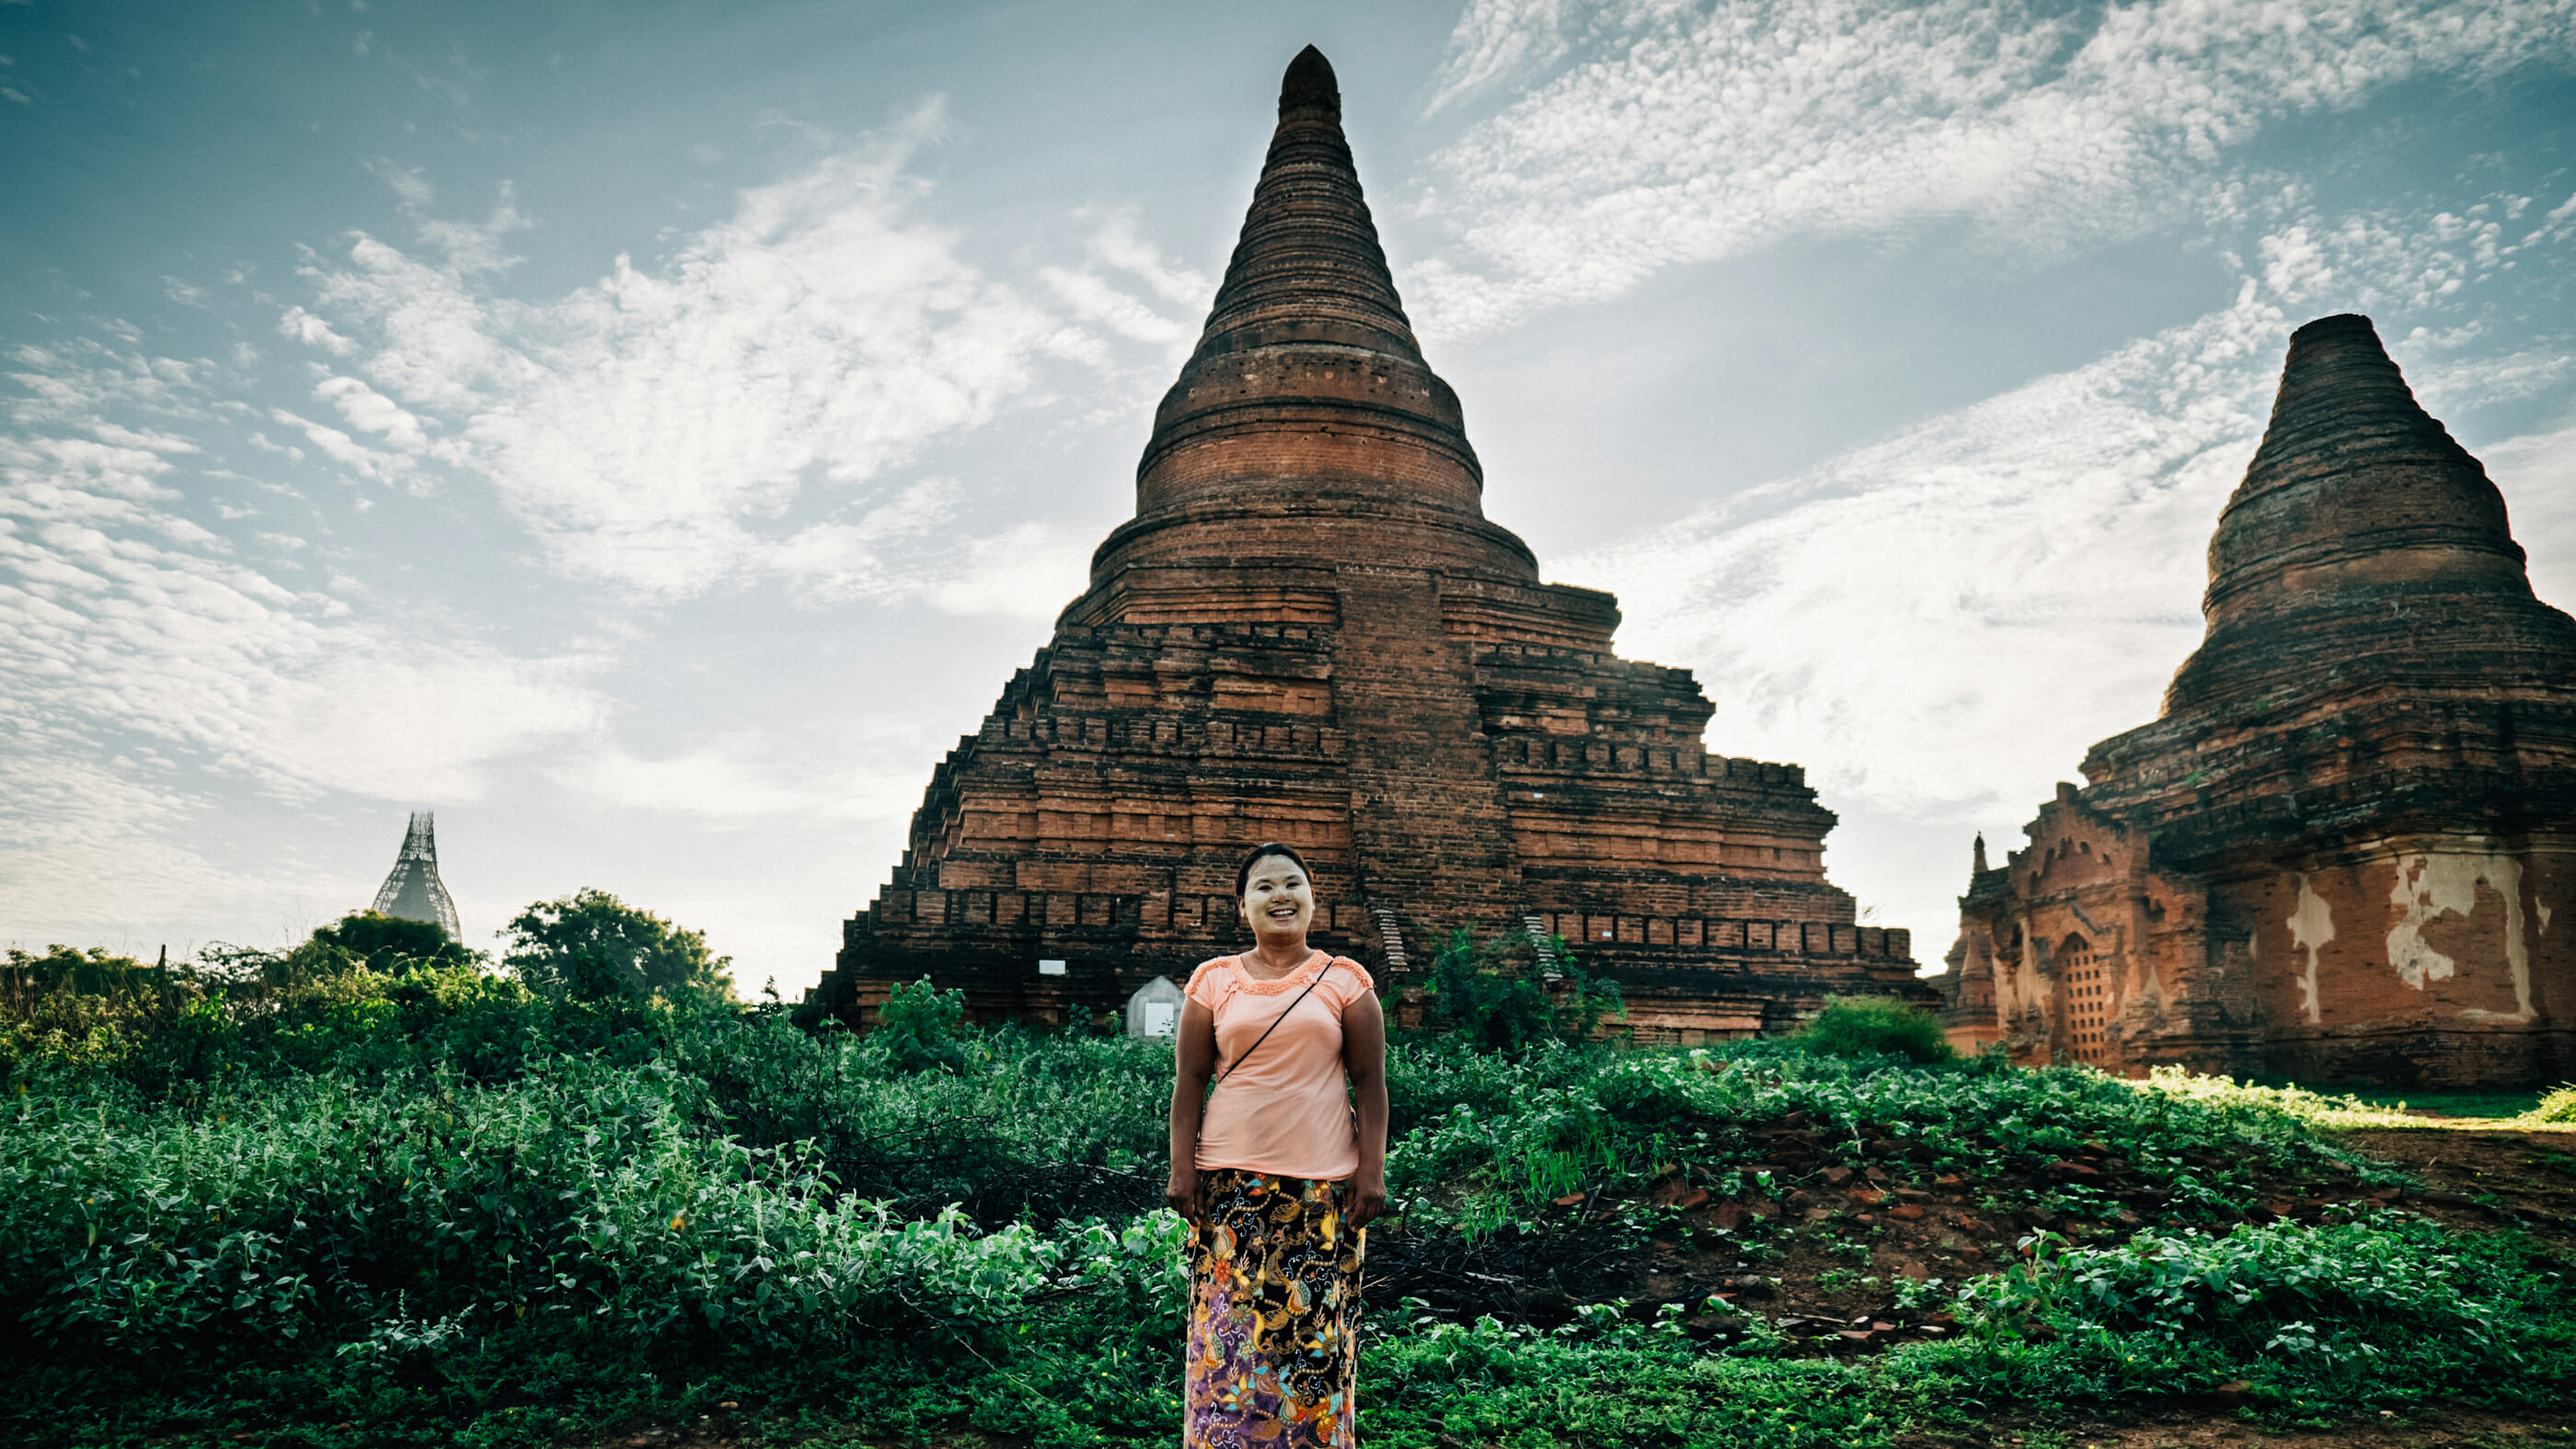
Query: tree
x=68 y=983
x=593 y=946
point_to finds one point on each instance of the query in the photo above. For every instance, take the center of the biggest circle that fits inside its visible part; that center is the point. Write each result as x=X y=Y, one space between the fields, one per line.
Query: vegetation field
x=375 y=1191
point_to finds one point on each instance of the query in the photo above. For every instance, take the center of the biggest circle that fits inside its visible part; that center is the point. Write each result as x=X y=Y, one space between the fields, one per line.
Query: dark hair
x=1243 y=872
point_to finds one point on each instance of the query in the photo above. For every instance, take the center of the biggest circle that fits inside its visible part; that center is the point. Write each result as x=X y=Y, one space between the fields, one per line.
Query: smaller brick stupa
x=1310 y=632
x=2346 y=851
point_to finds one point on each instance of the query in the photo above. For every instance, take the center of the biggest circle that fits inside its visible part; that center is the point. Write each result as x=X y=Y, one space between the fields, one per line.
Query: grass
x=2486 y=1105
x=2312 y=1108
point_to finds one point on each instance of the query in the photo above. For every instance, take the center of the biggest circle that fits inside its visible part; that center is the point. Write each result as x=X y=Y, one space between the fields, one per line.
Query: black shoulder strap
x=1274 y=1026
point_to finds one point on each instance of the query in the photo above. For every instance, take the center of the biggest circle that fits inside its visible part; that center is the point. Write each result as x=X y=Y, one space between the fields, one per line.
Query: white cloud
x=1686 y=133
x=405 y=181
x=755 y=408
x=341 y=448
x=741 y=780
x=312 y=331
x=1497 y=41
x=370 y=411
x=1116 y=244
x=1090 y=297
x=2537 y=473
x=1029 y=571
x=853 y=559
x=130 y=633
x=1942 y=623
x=654 y=428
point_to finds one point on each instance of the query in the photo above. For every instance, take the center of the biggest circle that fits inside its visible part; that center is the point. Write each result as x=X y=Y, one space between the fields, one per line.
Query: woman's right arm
x=1193 y=1062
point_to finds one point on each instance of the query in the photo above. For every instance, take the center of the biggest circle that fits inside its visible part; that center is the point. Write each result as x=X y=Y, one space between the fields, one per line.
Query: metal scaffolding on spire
x=413 y=892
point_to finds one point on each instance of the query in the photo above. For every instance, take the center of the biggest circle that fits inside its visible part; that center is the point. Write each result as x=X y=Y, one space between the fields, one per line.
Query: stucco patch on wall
x=2311 y=926
x=2444 y=882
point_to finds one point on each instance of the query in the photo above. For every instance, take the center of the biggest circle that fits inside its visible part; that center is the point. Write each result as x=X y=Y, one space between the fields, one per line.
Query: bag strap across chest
x=1274 y=1025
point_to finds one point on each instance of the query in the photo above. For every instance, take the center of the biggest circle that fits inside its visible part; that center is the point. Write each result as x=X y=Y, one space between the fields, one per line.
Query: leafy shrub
x=2386 y=1309
x=918 y=1028
x=1861 y=1026
x=1499 y=995
x=1611 y=1381
x=2228 y=1096
x=2557 y=1105
x=86 y=1010
x=573 y=1202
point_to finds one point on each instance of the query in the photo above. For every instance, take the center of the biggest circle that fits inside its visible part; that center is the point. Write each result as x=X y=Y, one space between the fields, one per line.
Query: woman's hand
x=1181 y=1195
x=1368 y=1198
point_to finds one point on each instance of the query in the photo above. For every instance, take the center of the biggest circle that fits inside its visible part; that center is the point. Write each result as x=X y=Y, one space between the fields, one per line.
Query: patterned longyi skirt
x=1274 y=1309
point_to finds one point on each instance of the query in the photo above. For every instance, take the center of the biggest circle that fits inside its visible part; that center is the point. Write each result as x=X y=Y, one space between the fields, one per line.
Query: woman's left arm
x=1364 y=1058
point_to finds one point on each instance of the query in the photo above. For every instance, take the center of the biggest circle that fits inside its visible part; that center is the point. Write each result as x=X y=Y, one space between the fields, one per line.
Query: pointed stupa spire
x=1308 y=266
x=1307 y=401
x=2364 y=537
x=412 y=890
x=1979 y=865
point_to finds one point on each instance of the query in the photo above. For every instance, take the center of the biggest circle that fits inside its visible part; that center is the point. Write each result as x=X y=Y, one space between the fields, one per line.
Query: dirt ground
x=2211 y=1428
x=2485 y=1177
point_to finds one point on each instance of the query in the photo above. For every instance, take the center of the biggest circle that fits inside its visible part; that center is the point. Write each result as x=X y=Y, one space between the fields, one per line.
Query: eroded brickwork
x=2345 y=850
x=1310 y=632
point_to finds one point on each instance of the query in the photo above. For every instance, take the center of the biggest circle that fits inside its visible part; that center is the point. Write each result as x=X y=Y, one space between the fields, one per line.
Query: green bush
x=2557 y=1105
x=2387 y=1309
x=1862 y=1026
x=1502 y=995
x=918 y=1028
x=2313 y=1109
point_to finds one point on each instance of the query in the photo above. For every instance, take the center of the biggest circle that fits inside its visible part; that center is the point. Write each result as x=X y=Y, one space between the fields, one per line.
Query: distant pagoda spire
x=413 y=892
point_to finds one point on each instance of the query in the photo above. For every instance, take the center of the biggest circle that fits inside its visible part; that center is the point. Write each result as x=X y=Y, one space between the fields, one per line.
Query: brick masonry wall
x=1096 y=814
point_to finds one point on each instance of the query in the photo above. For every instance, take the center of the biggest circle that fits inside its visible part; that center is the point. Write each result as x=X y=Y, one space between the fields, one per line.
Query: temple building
x=412 y=890
x=1310 y=632
x=2346 y=850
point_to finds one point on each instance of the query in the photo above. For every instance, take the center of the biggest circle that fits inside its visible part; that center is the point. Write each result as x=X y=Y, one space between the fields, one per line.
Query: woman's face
x=1278 y=900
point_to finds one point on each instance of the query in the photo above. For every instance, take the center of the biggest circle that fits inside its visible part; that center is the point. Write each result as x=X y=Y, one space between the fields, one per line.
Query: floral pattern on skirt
x=1274 y=1309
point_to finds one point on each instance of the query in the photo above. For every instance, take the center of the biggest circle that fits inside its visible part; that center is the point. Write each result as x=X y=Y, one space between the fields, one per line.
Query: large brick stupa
x=1310 y=632
x=2347 y=848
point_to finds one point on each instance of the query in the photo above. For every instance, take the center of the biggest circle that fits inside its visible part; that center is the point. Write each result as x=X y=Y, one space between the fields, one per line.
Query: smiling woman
x=1279 y=1166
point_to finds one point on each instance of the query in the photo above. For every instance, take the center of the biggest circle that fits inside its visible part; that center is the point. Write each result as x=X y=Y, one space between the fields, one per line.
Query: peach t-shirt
x=1288 y=1111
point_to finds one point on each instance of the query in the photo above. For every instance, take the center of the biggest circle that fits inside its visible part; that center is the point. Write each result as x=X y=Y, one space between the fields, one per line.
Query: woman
x=1276 y=1172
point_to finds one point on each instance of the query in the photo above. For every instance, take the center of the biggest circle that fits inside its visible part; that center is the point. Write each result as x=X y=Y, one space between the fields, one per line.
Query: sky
x=650 y=434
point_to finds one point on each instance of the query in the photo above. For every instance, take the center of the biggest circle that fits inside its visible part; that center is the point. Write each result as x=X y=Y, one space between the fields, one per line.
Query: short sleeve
x=1348 y=981
x=1211 y=984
